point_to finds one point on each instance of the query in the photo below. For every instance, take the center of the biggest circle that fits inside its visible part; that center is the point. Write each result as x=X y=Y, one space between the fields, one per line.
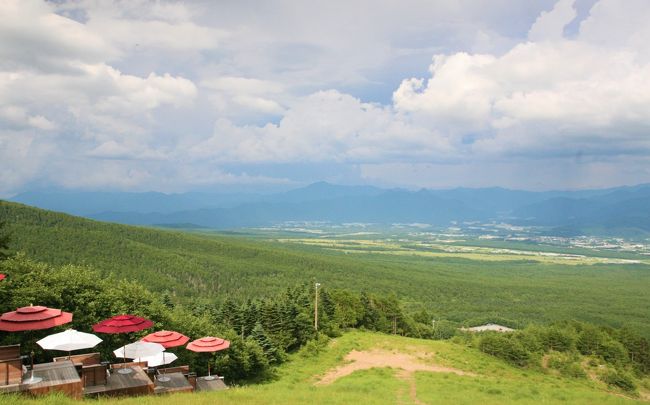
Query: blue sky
x=203 y=95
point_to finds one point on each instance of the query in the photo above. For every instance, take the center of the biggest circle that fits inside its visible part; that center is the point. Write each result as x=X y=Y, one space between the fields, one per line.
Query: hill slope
x=207 y=268
x=426 y=372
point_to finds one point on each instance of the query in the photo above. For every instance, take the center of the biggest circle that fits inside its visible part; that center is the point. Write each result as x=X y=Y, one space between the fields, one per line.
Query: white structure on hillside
x=488 y=327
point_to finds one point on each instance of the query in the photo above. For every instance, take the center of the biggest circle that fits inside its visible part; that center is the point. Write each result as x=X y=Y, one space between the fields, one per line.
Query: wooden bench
x=131 y=364
x=191 y=378
x=11 y=365
x=11 y=371
x=9 y=352
x=86 y=359
x=94 y=375
x=180 y=369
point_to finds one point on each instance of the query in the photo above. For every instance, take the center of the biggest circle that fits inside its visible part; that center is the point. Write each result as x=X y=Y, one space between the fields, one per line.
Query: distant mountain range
x=615 y=211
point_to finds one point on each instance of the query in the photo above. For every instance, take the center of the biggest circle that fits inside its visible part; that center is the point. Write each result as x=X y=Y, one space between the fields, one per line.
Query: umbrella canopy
x=138 y=350
x=159 y=359
x=122 y=324
x=208 y=344
x=33 y=318
x=166 y=338
x=69 y=340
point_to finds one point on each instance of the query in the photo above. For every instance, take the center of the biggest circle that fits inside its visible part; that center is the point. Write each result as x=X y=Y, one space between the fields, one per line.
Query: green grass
x=199 y=267
x=495 y=382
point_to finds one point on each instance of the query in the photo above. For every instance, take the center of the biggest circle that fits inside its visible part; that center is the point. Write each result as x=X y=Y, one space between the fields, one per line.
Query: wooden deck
x=61 y=377
x=210 y=385
x=134 y=383
x=178 y=383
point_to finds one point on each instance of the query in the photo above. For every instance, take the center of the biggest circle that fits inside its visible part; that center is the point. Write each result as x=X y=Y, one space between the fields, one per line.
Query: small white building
x=488 y=327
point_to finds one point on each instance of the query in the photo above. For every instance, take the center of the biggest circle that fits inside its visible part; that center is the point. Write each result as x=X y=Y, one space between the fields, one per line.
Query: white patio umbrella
x=160 y=359
x=69 y=341
x=138 y=350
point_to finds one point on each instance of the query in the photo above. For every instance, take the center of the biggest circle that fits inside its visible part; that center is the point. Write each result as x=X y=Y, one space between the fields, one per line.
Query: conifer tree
x=4 y=240
x=270 y=350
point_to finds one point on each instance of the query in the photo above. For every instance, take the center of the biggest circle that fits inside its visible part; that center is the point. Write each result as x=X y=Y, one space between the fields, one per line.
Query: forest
x=274 y=317
x=207 y=269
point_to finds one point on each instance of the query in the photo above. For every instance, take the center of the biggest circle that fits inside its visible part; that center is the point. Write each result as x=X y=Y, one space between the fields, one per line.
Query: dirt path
x=413 y=391
x=407 y=363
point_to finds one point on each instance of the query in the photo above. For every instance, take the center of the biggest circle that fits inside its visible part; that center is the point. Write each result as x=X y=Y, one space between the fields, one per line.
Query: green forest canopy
x=211 y=269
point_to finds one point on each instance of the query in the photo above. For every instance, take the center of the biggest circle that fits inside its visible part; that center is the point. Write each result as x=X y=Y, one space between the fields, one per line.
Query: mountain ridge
x=603 y=211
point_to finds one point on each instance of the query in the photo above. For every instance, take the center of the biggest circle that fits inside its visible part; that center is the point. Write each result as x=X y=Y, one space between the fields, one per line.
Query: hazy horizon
x=176 y=96
x=280 y=189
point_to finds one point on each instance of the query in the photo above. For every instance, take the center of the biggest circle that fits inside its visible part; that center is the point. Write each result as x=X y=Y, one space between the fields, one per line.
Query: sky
x=260 y=95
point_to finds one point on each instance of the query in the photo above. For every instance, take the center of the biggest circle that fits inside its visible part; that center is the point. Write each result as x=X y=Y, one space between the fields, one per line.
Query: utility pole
x=316 y=307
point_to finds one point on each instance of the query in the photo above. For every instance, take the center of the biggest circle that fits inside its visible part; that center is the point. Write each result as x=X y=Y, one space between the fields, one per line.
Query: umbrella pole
x=164 y=378
x=209 y=377
x=124 y=370
x=32 y=379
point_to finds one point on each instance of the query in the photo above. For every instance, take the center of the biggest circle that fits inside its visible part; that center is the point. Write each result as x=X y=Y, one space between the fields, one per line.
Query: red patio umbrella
x=208 y=344
x=33 y=318
x=167 y=339
x=123 y=324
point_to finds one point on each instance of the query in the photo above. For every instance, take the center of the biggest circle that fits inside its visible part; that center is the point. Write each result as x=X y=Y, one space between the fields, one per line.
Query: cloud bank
x=175 y=96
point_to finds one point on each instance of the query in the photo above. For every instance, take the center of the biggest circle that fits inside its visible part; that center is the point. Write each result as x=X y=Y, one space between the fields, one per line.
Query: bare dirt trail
x=406 y=363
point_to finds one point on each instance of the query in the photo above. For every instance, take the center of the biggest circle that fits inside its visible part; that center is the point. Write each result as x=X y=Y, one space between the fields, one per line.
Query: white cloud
x=551 y=98
x=106 y=91
x=242 y=96
x=59 y=94
x=325 y=126
x=546 y=98
x=549 y=26
x=17 y=117
x=33 y=37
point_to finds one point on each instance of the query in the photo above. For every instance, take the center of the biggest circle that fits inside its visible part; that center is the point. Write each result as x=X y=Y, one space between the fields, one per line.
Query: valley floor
x=369 y=368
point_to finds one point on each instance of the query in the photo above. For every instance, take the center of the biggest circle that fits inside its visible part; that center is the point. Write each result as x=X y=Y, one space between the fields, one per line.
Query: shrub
x=590 y=340
x=621 y=380
x=504 y=348
x=313 y=347
x=613 y=352
x=567 y=364
x=556 y=338
x=444 y=330
x=530 y=340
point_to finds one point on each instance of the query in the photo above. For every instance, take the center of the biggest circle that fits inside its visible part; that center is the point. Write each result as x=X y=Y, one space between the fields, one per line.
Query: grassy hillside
x=214 y=267
x=319 y=377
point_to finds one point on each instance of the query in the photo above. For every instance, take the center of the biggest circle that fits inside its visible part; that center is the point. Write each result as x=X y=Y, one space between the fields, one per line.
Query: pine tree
x=167 y=300
x=230 y=314
x=271 y=352
x=250 y=315
x=328 y=306
x=4 y=240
